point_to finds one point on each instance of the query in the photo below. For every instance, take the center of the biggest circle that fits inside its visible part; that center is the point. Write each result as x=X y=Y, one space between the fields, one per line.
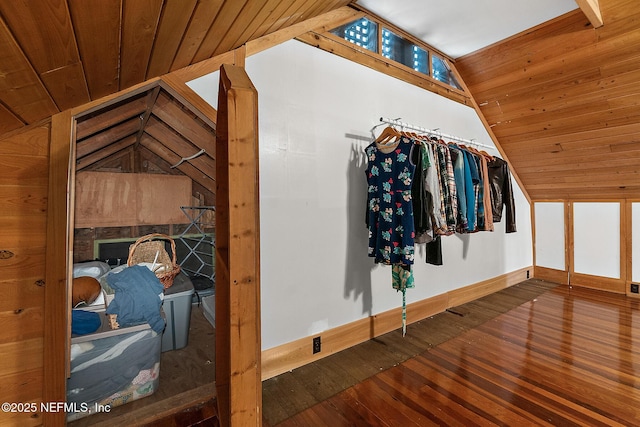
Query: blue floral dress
x=389 y=206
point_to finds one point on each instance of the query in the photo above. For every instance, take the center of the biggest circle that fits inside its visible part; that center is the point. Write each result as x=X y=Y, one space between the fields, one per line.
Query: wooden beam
x=238 y=348
x=162 y=133
x=318 y=24
x=182 y=121
x=105 y=152
x=101 y=140
x=109 y=118
x=152 y=96
x=591 y=9
x=175 y=85
x=171 y=158
x=333 y=44
x=57 y=298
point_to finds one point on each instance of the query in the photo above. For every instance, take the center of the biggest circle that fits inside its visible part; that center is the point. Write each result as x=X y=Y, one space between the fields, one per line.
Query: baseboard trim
x=600 y=283
x=551 y=275
x=286 y=357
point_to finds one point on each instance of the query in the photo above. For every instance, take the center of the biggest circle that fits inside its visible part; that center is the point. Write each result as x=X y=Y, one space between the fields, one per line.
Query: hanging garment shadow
x=357 y=275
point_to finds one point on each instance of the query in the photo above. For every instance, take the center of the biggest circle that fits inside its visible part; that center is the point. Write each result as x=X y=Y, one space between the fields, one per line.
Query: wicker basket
x=148 y=250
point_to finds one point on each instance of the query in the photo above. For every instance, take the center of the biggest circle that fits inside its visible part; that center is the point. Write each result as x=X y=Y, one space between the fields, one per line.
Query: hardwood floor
x=532 y=354
x=569 y=356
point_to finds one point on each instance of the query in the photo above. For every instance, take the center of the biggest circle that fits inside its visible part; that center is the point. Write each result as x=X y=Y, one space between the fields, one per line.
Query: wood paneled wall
x=24 y=159
x=563 y=102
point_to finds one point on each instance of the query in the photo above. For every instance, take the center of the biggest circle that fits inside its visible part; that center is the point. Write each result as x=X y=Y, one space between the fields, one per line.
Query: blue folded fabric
x=84 y=322
x=138 y=298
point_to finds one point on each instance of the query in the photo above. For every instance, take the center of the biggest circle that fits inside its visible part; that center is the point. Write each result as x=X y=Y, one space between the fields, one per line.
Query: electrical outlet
x=317 y=346
x=527 y=274
x=635 y=288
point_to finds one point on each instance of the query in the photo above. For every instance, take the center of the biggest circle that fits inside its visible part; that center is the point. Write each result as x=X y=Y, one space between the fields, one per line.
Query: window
x=362 y=32
x=442 y=72
x=383 y=39
x=403 y=51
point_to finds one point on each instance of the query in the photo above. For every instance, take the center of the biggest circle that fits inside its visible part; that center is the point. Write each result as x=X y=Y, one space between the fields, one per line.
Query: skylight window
x=403 y=51
x=362 y=32
x=442 y=72
x=394 y=45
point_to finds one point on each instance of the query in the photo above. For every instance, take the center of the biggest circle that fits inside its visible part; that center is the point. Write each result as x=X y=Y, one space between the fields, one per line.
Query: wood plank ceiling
x=563 y=101
x=59 y=54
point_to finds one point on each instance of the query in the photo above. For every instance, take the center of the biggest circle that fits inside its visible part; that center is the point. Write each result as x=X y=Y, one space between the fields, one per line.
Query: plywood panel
x=160 y=198
x=105 y=199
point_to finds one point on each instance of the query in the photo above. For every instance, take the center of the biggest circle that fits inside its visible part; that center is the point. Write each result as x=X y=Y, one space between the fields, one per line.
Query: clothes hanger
x=388 y=134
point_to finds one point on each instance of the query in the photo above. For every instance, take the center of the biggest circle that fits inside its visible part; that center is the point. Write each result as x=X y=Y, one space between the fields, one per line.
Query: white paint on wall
x=596 y=230
x=316 y=111
x=550 y=235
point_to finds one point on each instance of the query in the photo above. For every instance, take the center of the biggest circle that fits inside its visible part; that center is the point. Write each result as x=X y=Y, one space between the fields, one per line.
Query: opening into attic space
x=131 y=181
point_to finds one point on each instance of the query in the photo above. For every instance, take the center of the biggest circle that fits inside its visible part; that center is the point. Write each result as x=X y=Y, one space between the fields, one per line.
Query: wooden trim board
x=286 y=357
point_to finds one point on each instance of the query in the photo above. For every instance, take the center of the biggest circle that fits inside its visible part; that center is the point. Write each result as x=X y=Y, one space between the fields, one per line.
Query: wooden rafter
x=591 y=8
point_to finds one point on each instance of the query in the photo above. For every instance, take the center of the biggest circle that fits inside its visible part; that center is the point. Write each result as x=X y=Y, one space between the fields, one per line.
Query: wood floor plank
x=533 y=354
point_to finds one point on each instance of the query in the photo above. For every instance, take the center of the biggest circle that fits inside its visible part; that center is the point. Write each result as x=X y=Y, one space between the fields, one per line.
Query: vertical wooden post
x=238 y=343
x=57 y=298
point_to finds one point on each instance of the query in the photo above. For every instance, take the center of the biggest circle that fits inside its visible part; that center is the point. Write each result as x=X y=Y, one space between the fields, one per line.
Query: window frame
x=430 y=51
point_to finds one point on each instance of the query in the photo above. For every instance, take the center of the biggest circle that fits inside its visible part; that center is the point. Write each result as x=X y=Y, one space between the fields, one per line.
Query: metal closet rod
x=397 y=122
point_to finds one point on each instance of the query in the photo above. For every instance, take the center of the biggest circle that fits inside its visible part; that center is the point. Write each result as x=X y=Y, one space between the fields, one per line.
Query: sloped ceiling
x=561 y=98
x=59 y=54
x=563 y=101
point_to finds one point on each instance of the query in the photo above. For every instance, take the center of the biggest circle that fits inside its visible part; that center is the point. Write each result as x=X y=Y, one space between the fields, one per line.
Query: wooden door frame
x=238 y=340
x=59 y=244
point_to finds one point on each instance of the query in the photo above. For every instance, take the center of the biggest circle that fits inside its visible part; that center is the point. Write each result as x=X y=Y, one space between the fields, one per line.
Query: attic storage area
x=145 y=164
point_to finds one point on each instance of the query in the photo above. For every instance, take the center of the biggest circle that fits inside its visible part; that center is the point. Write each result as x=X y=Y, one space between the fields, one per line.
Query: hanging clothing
x=421 y=199
x=459 y=172
x=448 y=192
x=472 y=180
x=401 y=280
x=486 y=192
x=502 y=193
x=389 y=203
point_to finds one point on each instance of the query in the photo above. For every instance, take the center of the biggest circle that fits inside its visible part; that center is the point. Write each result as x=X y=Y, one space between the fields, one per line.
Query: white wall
x=596 y=251
x=316 y=111
x=550 y=234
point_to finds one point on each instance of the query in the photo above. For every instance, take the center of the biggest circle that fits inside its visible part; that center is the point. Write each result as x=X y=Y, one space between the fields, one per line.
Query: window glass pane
x=442 y=72
x=362 y=32
x=403 y=51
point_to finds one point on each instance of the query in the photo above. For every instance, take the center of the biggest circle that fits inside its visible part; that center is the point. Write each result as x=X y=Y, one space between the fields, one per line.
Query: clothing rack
x=397 y=122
